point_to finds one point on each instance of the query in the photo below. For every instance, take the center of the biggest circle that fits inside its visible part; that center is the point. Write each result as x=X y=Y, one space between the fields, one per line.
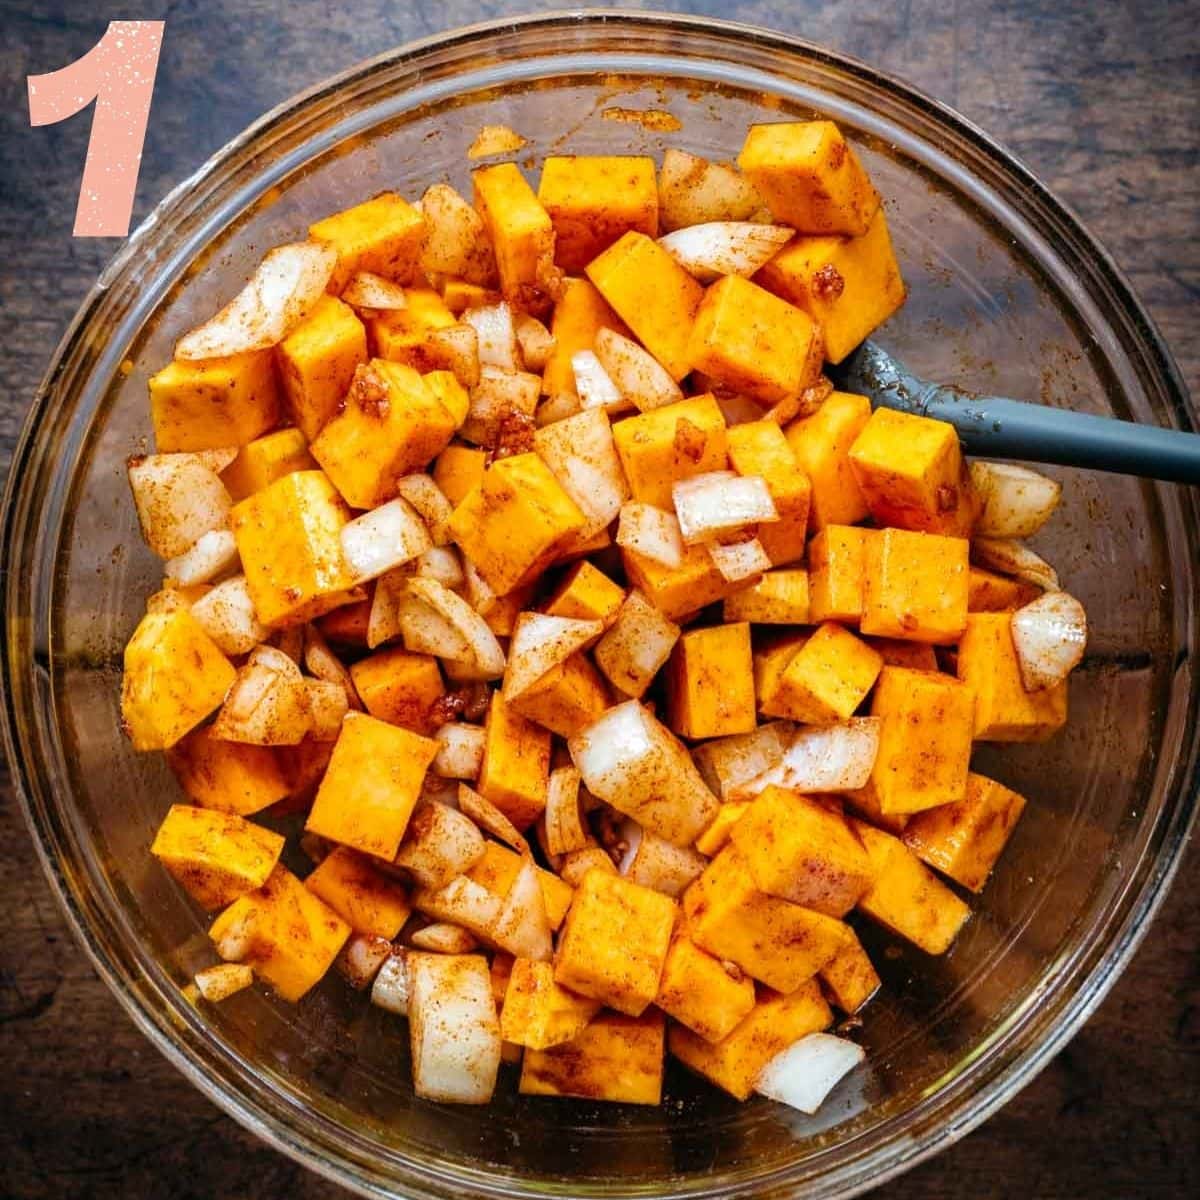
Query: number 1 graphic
x=118 y=73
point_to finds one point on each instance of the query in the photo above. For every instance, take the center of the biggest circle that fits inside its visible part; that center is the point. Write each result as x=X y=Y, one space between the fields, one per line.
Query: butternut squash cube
x=232 y=777
x=826 y=679
x=522 y=235
x=989 y=592
x=915 y=586
x=402 y=335
x=964 y=840
x=778 y=598
x=678 y=592
x=538 y=1012
x=760 y=448
x=780 y=943
x=586 y=594
x=268 y=458
x=454 y=398
x=665 y=445
x=215 y=402
x=837 y=570
x=617 y=1058
x=906 y=897
x=754 y=343
x=918 y=656
x=614 y=942
x=498 y=869
x=369 y=901
x=579 y=315
x=458 y=295
x=809 y=177
x=317 y=361
x=288 y=935
x=866 y=802
x=652 y=294
x=849 y=286
x=821 y=443
x=391 y=424
x=216 y=856
x=1004 y=710
x=802 y=850
x=288 y=536
x=773 y=1024
x=710 y=682
x=174 y=677
x=593 y=199
x=371 y=786
x=568 y=698
x=702 y=993
x=347 y=624
x=771 y=660
x=516 y=763
x=912 y=474
x=399 y=687
x=458 y=471
x=924 y=741
x=382 y=235
x=850 y=977
x=515 y=523
x=716 y=837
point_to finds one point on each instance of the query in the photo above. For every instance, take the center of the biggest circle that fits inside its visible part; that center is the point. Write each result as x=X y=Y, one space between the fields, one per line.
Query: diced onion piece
x=693 y=190
x=328 y=705
x=719 y=248
x=579 y=862
x=383 y=539
x=430 y=503
x=443 y=938
x=727 y=764
x=720 y=502
x=360 y=960
x=1016 y=559
x=390 y=989
x=215 y=460
x=456 y=348
x=169 y=599
x=593 y=385
x=443 y=565
x=652 y=532
x=825 y=758
x=536 y=341
x=500 y=396
x=479 y=592
x=539 y=644
x=236 y=939
x=460 y=751
x=453 y=1028
x=426 y=631
x=490 y=819
x=214 y=554
x=493 y=325
x=290 y=642
x=564 y=828
x=366 y=290
x=224 y=980
x=630 y=760
x=1016 y=502
x=740 y=560
x=322 y=663
x=557 y=408
x=439 y=844
x=288 y=282
x=656 y=863
x=484 y=650
x=463 y=902
x=178 y=501
x=385 y=619
x=634 y=371
x=523 y=929
x=636 y=645
x=226 y=614
x=808 y=1070
x=268 y=703
x=456 y=241
x=581 y=454
x=1049 y=635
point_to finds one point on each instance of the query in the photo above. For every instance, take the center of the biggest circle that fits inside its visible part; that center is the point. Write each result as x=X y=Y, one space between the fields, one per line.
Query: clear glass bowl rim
x=982 y=1088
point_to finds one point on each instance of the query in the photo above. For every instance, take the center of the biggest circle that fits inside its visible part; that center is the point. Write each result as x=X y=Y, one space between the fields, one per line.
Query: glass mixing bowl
x=1007 y=294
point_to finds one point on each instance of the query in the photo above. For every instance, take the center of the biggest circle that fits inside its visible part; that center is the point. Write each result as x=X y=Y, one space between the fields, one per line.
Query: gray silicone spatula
x=994 y=427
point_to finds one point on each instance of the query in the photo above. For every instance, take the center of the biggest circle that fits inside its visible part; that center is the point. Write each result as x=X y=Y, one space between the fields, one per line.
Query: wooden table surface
x=1102 y=99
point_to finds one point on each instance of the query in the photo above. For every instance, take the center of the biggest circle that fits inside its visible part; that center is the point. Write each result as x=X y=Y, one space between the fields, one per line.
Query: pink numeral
x=118 y=73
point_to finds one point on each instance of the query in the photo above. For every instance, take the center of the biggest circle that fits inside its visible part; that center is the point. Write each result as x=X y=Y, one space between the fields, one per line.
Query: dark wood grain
x=1101 y=99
